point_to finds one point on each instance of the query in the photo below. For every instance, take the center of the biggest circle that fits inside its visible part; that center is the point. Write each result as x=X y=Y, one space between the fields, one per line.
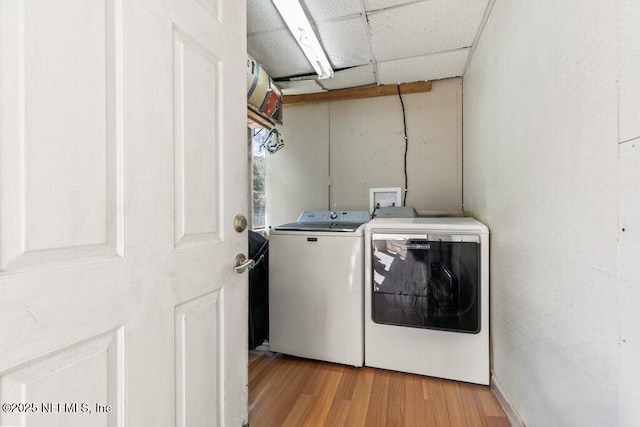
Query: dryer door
x=427 y=281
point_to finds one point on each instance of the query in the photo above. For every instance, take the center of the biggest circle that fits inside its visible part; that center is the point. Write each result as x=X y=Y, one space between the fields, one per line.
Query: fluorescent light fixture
x=295 y=18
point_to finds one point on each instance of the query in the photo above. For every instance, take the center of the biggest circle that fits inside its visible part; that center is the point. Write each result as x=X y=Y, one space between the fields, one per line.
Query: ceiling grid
x=368 y=42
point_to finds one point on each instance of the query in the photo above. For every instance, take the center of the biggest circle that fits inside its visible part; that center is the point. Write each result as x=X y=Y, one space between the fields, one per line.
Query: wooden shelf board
x=356 y=93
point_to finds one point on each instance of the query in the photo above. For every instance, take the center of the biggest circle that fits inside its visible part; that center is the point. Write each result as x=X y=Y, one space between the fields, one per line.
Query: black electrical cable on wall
x=406 y=149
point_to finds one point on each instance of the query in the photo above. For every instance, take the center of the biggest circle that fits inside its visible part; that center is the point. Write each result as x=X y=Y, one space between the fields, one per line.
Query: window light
x=295 y=18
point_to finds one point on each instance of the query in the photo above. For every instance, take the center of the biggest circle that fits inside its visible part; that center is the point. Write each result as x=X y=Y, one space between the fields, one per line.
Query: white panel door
x=122 y=167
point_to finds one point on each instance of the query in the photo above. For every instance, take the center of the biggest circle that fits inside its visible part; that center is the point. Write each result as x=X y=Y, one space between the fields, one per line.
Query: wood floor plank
x=258 y=371
x=377 y=413
x=253 y=356
x=361 y=397
x=434 y=392
x=322 y=404
x=419 y=411
x=338 y=413
x=314 y=378
x=396 y=401
x=259 y=368
x=455 y=407
x=470 y=405
x=273 y=412
x=289 y=391
x=260 y=384
x=498 y=421
x=489 y=403
x=348 y=383
x=299 y=411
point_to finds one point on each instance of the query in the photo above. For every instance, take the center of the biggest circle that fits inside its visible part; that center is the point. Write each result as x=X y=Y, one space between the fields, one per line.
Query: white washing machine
x=316 y=286
x=427 y=297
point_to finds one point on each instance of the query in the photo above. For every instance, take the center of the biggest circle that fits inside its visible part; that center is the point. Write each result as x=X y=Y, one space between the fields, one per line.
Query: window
x=258 y=178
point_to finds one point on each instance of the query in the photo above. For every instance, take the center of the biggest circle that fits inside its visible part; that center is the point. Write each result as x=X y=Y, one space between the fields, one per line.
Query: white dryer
x=427 y=297
x=316 y=285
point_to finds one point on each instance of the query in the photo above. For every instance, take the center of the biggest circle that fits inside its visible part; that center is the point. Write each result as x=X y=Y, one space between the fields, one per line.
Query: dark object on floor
x=258 y=290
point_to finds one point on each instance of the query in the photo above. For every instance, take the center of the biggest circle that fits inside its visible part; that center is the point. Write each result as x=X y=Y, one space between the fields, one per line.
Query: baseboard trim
x=514 y=419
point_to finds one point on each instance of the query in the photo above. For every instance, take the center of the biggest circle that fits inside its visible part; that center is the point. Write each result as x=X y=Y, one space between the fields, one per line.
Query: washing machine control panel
x=314 y=217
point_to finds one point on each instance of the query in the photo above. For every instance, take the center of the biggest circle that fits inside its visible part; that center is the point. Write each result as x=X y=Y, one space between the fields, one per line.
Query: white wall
x=298 y=174
x=361 y=143
x=542 y=169
x=367 y=148
x=629 y=240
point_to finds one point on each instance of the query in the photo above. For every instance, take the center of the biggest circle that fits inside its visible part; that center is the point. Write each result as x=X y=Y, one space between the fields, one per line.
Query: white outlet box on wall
x=384 y=197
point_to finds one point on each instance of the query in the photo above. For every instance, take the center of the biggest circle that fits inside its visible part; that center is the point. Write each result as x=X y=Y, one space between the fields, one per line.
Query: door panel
x=59 y=198
x=89 y=372
x=197 y=361
x=122 y=166
x=197 y=149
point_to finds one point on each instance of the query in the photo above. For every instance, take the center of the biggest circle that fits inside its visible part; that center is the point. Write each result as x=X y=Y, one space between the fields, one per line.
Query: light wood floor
x=288 y=391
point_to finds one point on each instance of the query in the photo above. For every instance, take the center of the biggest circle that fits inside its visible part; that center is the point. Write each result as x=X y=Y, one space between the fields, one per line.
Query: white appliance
x=316 y=287
x=396 y=212
x=427 y=297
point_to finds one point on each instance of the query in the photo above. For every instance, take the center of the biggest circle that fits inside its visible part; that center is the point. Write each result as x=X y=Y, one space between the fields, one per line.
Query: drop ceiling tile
x=351 y=77
x=278 y=53
x=262 y=16
x=320 y=10
x=428 y=67
x=298 y=87
x=425 y=27
x=345 y=41
x=370 y=5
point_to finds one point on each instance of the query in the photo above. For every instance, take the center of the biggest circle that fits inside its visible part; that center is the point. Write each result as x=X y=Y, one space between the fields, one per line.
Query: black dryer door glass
x=431 y=282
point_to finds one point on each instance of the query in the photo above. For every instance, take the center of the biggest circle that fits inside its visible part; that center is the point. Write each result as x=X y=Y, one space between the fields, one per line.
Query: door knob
x=241 y=263
x=240 y=223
